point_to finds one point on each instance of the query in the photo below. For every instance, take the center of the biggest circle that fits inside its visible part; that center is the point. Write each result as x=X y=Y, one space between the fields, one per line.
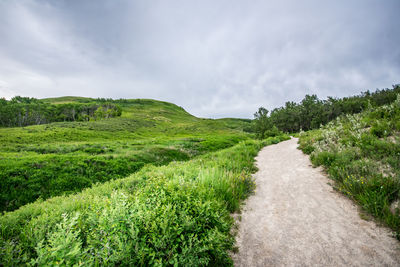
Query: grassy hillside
x=362 y=154
x=47 y=160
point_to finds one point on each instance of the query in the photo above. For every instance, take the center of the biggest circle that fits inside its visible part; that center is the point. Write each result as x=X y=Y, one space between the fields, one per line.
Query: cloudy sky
x=214 y=58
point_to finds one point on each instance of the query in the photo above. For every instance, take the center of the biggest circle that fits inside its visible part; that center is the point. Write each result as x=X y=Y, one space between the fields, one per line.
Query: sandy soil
x=296 y=219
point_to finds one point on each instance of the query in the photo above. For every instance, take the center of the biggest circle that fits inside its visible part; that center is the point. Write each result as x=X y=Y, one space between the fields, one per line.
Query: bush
x=324 y=158
x=273 y=132
x=380 y=129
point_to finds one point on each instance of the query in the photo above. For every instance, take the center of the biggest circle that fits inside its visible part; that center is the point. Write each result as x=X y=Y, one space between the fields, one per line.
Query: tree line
x=313 y=112
x=24 y=111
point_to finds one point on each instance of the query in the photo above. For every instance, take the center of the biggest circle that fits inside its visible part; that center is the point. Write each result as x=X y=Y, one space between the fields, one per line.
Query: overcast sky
x=214 y=58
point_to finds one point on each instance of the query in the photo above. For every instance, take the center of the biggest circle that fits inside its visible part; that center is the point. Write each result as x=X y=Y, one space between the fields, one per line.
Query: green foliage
x=59 y=158
x=24 y=181
x=63 y=246
x=325 y=158
x=55 y=170
x=380 y=129
x=263 y=126
x=86 y=213
x=262 y=122
x=312 y=112
x=23 y=111
x=33 y=172
x=177 y=214
x=273 y=131
x=362 y=153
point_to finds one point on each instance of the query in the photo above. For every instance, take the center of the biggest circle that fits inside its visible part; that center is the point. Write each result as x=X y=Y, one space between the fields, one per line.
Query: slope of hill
x=42 y=161
x=176 y=214
x=361 y=153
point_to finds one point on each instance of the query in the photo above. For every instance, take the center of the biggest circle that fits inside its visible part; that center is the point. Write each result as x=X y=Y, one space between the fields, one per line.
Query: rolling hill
x=153 y=186
x=41 y=161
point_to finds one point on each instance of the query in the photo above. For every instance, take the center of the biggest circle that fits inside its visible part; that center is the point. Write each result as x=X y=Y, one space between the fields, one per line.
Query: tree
x=312 y=112
x=23 y=111
x=262 y=122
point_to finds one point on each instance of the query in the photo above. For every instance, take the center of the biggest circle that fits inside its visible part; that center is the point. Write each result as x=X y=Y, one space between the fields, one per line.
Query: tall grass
x=177 y=214
x=42 y=161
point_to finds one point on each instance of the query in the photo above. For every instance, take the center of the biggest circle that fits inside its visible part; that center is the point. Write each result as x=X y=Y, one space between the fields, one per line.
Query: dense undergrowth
x=42 y=161
x=177 y=214
x=362 y=154
x=42 y=171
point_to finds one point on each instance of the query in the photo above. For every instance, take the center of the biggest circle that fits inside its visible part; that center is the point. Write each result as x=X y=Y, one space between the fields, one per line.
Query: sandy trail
x=296 y=219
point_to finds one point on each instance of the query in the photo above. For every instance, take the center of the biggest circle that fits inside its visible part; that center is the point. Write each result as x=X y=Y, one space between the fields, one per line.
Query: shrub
x=380 y=129
x=323 y=158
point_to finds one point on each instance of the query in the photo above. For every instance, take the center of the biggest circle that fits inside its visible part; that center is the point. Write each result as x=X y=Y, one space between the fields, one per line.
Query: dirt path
x=296 y=219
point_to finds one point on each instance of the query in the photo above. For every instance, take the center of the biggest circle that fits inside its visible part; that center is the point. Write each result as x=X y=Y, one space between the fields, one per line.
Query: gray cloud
x=214 y=58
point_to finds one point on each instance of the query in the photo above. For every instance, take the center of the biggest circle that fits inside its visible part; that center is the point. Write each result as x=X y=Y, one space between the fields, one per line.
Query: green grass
x=155 y=186
x=362 y=154
x=61 y=158
x=178 y=214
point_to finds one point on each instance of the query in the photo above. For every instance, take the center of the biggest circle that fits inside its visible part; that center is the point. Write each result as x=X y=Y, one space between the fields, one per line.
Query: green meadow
x=42 y=161
x=143 y=182
x=153 y=186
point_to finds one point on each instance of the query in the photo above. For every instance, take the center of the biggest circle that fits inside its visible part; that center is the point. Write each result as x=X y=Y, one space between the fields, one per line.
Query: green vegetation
x=312 y=112
x=42 y=161
x=24 y=111
x=361 y=152
x=263 y=125
x=177 y=214
x=152 y=185
x=143 y=182
x=355 y=138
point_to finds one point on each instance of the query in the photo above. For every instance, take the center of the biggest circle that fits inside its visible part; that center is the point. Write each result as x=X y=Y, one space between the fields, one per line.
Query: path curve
x=296 y=219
